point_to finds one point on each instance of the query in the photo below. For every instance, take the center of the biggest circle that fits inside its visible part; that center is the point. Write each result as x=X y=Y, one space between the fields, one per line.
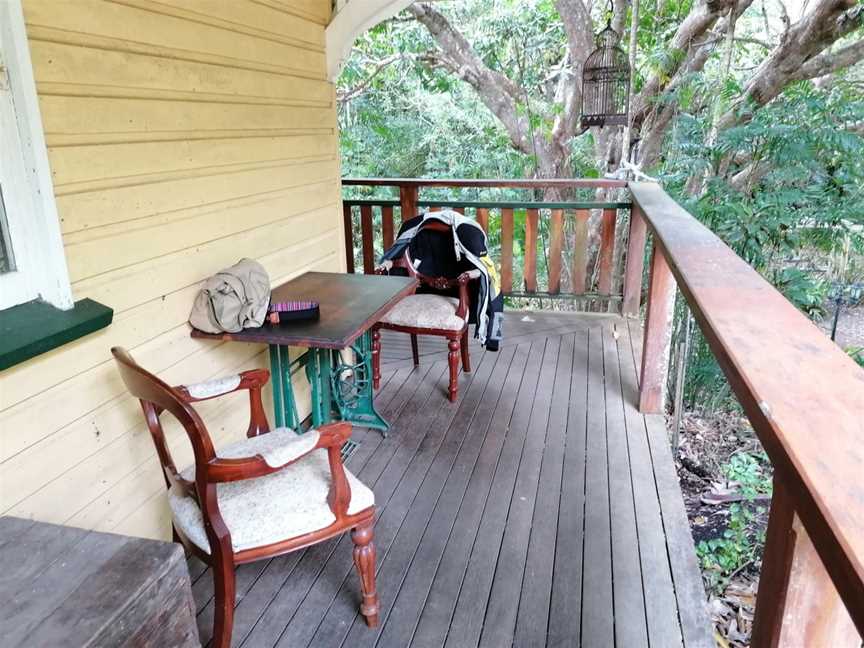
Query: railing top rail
x=491 y=204
x=802 y=394
x=587 y=183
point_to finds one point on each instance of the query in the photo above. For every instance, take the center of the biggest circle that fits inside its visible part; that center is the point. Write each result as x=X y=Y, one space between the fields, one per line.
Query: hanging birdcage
x=605 y=83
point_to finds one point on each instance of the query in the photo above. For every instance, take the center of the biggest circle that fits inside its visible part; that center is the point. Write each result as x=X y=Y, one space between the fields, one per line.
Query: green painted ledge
x=36 y=327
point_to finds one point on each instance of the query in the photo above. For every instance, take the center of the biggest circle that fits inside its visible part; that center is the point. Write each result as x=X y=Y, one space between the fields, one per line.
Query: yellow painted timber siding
x=182 y=135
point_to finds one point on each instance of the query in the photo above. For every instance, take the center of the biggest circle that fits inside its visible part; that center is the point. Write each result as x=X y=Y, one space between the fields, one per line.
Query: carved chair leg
x=466 y=359
x=364 y=560
x=453 y=360
x=376 y=357
x=415 y=352
x=223 y=615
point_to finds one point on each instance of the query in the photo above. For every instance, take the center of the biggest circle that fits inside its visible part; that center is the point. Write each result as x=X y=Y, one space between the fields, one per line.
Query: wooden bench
x=62 y=586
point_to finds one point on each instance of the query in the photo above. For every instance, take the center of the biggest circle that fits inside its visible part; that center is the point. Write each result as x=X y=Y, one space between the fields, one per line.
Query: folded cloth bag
x=233 y=299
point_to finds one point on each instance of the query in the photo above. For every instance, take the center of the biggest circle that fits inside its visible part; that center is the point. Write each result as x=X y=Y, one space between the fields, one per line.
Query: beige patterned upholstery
x=426 y=311
x=276 y=507
x=213 y=387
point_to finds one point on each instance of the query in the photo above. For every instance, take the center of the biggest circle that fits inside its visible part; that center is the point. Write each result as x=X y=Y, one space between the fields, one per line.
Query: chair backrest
x=156 y=396
x=407 y=263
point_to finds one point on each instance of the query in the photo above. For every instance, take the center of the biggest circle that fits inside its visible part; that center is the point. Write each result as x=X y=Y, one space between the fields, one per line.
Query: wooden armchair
x=429 y=314
x=266 y=495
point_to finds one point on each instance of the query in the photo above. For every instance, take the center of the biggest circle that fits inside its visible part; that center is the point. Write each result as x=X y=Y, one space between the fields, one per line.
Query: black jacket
x=464 y=249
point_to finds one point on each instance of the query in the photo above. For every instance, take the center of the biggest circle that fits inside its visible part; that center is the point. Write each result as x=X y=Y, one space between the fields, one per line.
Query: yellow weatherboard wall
x=182 y=136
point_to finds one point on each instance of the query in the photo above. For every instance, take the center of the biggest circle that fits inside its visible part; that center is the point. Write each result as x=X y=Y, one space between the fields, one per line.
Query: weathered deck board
x=539 y=509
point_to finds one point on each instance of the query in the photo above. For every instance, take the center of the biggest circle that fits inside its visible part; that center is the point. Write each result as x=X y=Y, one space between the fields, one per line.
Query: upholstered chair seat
x=269 y=509
x=426 y=311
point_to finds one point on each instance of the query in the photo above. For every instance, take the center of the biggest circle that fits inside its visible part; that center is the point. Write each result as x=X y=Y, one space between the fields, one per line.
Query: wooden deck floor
x=541 y=509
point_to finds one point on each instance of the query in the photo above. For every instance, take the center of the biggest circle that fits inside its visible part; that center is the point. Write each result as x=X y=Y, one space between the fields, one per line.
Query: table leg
x=335 y=385
x=281 y=369
x=319 y=367
x=352 y=386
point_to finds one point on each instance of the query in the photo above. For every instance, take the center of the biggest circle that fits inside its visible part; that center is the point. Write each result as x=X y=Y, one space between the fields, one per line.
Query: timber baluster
x=556 y=241
x=580 y=252
x=506 y=250
x=530 y=268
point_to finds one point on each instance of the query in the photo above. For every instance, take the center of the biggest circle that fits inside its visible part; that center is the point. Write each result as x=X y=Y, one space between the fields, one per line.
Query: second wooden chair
x=269 y=494
x=429 y=313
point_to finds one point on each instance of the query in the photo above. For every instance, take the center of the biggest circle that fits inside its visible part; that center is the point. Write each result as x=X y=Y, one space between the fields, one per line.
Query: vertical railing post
x=578 y=272
x=349 y=238
x=506 y=250
x=556 y=244
x=368 y=239
x=529 y=272
x=635 y=263
x=387 y=227
x=658 y=334
x=797 y=605
x=483 y=219
x=408 y=197
x=607 y=251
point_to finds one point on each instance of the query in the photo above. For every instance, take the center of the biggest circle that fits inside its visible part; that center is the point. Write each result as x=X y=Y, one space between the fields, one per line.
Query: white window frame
x=28 y=191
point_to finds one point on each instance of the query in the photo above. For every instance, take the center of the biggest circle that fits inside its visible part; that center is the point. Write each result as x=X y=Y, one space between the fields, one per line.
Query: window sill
x=31 y=329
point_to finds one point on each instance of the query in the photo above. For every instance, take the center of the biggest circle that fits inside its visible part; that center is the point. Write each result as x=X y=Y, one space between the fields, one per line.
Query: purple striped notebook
x=292 y=311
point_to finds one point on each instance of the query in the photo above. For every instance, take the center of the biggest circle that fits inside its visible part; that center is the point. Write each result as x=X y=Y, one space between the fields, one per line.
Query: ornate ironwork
x=338 y=387
x=605 y=83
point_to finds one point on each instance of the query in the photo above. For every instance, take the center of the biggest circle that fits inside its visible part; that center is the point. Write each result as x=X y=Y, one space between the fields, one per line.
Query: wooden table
x=62 y=586
x=350 y=304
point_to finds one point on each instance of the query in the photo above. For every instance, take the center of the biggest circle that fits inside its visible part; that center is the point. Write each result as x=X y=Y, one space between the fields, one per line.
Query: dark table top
x=349 y=304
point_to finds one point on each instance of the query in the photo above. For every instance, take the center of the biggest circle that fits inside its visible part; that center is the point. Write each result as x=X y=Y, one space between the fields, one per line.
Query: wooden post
x=408 y=196
x=368 y=240
x=658 y=334
x=483 y=218
x=607 y=251
x=387 y=226
x=556 y=241
x=532 y=217
x=580 y=252
x=349 y=238
x=506 y=250
x=797 y=605
x=635 y=263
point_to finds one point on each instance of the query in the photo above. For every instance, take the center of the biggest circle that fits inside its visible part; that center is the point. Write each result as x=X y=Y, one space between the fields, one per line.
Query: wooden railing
x=804 y=398
x=558 y=259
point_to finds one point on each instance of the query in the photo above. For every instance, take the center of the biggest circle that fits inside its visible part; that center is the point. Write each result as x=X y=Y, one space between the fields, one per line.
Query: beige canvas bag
x=233 y=299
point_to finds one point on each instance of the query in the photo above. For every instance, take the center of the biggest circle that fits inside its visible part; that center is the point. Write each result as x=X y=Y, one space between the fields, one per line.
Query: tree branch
x=827 y=22
x=578 y=27
x=829 y=63
x=498 y=93
x=690 y=55
x=352 y=93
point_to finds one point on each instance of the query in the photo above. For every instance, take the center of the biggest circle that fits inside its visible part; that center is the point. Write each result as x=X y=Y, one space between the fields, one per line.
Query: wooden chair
x=429 y=314
x=263 y=496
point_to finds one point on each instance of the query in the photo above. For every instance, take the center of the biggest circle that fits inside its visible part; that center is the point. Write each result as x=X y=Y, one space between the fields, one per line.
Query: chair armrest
x=252 y=380
x=462 y=280
x=195 y=392
x=331 y=437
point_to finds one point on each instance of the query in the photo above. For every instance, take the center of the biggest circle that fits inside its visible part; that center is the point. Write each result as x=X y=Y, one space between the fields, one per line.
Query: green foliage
x=857 y=354
x=739 y=546
x=741 y=541
x=791 y=202
x=751 y=473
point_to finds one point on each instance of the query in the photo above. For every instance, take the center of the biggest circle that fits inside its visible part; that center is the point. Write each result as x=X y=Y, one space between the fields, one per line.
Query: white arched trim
x=352 y=19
